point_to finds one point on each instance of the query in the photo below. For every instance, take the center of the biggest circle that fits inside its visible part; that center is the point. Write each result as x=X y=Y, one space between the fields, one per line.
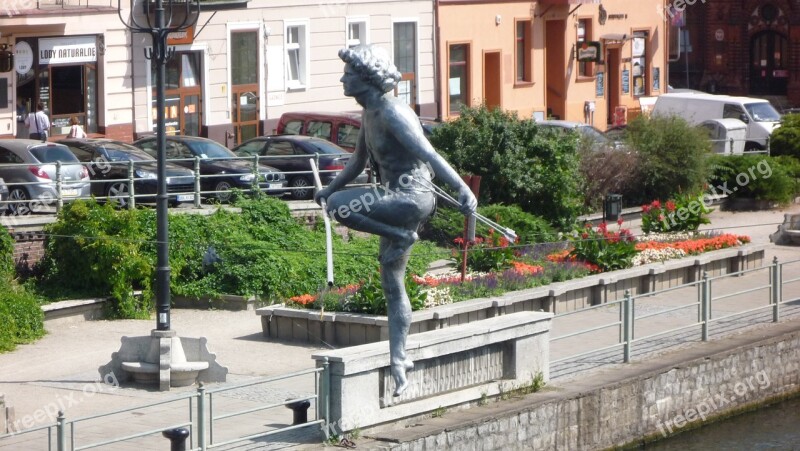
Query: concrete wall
x=616 y=408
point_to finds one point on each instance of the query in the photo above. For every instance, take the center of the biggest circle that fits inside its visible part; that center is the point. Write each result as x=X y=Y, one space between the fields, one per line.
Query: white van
x=759 y=115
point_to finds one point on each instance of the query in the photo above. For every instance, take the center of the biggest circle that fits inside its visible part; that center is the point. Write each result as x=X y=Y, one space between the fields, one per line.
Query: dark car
x=108 y=164
x=220 y=170
x=290 y=154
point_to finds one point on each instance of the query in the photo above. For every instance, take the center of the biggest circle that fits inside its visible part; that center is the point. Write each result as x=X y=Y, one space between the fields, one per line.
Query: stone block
x=504 y=348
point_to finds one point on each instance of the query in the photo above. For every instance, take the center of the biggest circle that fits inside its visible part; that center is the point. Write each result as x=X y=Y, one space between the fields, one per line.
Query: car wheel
x=117 y=193
x=225 y=191
x=301 y=188
x=17 y=197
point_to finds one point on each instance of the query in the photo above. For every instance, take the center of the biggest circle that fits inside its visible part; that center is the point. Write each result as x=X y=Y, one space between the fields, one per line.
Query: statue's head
x=373 y=65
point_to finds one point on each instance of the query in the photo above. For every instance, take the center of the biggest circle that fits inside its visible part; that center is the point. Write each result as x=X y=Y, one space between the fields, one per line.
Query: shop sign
x=589 y=51
x=68 y=50
x=181 y=37
x=23 y=57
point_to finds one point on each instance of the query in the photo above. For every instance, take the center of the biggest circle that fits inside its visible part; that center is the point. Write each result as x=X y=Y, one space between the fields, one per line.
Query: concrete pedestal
x=165 y=359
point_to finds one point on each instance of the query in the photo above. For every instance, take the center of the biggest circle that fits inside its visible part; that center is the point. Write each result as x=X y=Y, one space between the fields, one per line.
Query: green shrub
x=21 y=317
x=263 y=251
x=785 y=139
x=672 y=155
x=7 y=267
x=97 y=250
x=757 y=177
x=448 y=224
x=520 y=163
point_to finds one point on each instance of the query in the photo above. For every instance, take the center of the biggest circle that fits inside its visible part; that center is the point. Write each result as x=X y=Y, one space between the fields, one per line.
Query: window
x=585 y=68
x=356 y=32
x=405 y=58
x=523 y=49
x=244 y=58
x=347 y=135
x=296 y=56
x=293 y=127
x=320 y=129
x=731 y=111
x=251 y=148
x=280 y=148
x=639 y=65
x=458 y=77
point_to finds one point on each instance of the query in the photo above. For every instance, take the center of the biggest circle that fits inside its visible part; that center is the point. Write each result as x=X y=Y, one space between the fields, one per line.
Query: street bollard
x=299 y=411
x=177 y=437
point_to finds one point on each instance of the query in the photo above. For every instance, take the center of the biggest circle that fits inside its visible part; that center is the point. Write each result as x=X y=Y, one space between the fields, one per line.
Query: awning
x=620 y=37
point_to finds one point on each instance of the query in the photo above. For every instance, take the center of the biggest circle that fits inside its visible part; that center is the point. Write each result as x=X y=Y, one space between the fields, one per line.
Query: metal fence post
x=325 y=396
x=61 y=432
x=59 y=187
x=201 y=417
x=628 y=326
x=131 y=194
x=777 y=293
x=705 y=304
x=196 y=182
x=256 y=182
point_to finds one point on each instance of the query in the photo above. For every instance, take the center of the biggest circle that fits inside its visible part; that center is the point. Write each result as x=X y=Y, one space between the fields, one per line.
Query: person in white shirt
x=38 y=123
x=75 y=130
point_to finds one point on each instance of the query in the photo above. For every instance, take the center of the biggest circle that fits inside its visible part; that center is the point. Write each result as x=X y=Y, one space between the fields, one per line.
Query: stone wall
x=620 y=407
x=28 y=250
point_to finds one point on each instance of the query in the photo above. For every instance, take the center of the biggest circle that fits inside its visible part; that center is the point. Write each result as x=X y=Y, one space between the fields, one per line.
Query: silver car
x=29 y=169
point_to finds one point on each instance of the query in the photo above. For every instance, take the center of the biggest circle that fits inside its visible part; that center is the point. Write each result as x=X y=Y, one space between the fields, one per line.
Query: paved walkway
x=59 y=372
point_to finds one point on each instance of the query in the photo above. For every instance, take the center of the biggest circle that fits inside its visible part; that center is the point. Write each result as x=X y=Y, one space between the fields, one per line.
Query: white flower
x=656 y=255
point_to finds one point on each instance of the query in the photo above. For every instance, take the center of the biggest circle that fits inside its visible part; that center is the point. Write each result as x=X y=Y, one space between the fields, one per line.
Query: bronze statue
x=391 y=139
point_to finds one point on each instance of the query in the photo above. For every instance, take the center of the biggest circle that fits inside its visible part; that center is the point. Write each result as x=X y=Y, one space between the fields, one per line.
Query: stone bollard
x=299 y=410
x=177 y=437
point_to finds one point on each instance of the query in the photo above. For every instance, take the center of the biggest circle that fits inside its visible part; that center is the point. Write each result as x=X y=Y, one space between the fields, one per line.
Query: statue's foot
x=399 y=375
x=398 y=247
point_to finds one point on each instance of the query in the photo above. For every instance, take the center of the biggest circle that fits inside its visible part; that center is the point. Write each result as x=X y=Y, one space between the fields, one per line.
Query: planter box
x=222 y=302
x=74 y=310
x=350 y=329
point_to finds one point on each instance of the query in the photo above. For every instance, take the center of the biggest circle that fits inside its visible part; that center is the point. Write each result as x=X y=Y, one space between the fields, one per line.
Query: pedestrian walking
x=39 y=124
x=75 y=130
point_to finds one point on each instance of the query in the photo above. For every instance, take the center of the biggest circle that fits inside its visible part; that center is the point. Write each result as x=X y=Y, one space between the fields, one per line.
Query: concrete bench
x=455 y=365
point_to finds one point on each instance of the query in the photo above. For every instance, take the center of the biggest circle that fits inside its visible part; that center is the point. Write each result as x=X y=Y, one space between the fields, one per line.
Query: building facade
x=578 y=60
x=231 y=76
x=741 y=47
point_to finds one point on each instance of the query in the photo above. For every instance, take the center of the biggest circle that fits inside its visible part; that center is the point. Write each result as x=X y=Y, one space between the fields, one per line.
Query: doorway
x=183 y=98
x=769 y=68
x=613 y=80
x=492 y=81
x=556 y=66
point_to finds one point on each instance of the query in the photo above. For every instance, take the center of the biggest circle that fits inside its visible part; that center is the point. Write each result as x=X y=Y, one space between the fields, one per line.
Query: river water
x=774 y=428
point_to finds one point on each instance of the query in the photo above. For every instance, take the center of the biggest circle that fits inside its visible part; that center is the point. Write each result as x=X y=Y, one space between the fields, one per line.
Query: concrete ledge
x=74 y=310
x=453 y=366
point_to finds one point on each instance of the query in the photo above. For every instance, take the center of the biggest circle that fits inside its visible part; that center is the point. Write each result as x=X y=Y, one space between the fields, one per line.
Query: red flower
x=584 y=235
x=587 y=226
x=459 y=241
x=656 y=204
x=645 y=208
x=670 y=206
x=660 y=217
x=619 y=222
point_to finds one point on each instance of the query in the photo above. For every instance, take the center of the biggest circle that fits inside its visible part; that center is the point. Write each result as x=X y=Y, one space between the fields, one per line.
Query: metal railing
x=199 y=418
x=728 y=145
x=725 y=305
x=44 y=195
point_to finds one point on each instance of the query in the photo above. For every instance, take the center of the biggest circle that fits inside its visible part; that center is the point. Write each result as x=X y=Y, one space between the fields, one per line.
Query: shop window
x=296 y=56
x=523 y=51
x=585 y=68
x=458 y=77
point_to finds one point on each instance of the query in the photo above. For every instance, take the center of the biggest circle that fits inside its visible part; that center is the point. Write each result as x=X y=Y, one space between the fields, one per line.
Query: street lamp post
x=162 y=17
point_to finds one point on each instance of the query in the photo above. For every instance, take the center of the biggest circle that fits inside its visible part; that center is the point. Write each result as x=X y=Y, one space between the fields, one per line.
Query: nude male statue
x=391 y=138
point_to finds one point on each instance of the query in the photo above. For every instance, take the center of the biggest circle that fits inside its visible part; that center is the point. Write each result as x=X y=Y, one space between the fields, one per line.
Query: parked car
x=3 y=190
x=290 y=153
x=338 y=128
x=220 y=170
x=107 y=162
x=29 y=168
x=597 y=139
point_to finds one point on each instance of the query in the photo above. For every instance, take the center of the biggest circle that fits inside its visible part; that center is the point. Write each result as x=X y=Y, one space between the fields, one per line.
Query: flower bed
x=524 y=287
